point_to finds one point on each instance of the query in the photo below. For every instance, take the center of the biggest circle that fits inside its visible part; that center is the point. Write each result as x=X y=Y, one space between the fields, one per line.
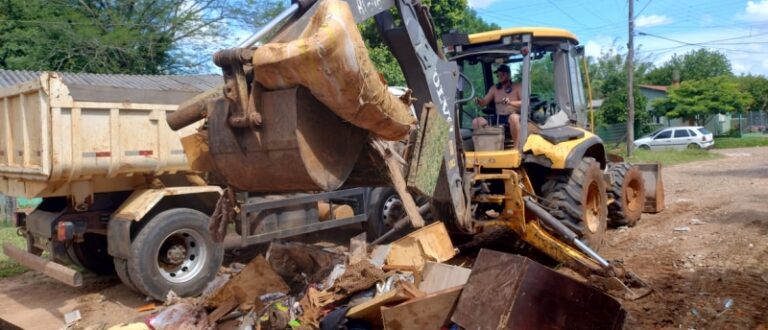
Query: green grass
x=665 y=157
x=8 y=267
x=746 y=141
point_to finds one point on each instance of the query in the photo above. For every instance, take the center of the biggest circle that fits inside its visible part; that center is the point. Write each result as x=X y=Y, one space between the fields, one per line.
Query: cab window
x=681 y=133
x=663 y=135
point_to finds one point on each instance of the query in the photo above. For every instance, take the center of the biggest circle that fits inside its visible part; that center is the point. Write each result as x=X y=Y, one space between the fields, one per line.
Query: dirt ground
x=706 y=255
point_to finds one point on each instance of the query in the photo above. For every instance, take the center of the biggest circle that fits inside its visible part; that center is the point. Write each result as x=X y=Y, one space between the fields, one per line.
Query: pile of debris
x=411 y=283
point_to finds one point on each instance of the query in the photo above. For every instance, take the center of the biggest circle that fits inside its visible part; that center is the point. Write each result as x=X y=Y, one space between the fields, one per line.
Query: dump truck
x=118 y=195
x=307 y=111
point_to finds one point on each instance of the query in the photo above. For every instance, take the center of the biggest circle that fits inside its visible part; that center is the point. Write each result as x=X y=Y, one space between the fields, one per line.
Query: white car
x=686 y=137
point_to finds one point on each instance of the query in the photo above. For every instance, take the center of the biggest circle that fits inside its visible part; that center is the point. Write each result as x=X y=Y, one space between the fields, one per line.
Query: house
x=718 y=124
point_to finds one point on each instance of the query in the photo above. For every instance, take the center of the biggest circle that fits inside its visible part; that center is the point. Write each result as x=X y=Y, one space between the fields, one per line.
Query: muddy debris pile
x=413 y=283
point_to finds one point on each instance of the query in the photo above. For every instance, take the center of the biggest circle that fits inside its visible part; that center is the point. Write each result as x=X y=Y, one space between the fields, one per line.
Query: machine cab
x=545 y=64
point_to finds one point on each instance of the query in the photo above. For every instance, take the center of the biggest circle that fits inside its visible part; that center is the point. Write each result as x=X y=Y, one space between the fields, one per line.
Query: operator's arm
x=487 y=99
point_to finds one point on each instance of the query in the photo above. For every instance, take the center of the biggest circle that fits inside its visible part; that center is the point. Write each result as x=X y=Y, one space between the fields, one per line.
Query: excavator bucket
x=654 y=187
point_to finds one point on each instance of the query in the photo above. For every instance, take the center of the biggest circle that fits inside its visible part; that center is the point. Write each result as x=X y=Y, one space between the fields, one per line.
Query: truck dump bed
x=106 y=131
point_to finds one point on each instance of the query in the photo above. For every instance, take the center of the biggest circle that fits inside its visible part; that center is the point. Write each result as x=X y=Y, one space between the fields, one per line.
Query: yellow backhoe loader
x=306 y=111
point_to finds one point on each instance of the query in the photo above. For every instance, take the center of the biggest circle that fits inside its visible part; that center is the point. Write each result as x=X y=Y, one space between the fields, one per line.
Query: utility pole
x=630 y=78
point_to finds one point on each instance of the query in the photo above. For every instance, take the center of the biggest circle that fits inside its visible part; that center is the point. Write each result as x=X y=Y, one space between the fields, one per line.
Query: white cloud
x=481 y=3
x=756 y=11
x=765 y=64
x=652 y=20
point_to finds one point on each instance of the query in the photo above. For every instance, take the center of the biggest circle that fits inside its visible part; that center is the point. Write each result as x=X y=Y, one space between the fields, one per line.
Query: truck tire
x=384 y=209
x=578 y=199
x=628 y=193
x=121 y=269
x=174 y=252
x=92 y=254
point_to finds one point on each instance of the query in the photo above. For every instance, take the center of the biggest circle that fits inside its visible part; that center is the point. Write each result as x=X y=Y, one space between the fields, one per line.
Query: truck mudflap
x=52 y=269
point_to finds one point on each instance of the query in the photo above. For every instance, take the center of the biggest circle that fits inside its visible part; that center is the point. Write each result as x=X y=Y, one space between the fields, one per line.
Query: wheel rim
x=391 y=210
x=181 y=256
x=694 y=146
x=592 y=208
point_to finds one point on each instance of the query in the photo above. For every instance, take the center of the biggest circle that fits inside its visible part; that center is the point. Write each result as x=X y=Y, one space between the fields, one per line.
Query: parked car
x=686 y=137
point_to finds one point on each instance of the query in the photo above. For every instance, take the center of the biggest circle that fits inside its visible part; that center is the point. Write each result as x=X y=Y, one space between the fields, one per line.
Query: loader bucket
x=654 y=187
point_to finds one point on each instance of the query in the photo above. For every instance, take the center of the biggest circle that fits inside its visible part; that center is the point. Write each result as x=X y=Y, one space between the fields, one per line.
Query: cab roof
x=537 y=32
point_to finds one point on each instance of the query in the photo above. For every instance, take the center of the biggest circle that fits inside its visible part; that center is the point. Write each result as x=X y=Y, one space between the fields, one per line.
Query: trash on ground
x=299 y=263
x=371 y=311
x=146 y=308
x=428 y=312
x=438 y=277
x=245 y=289
x=430 y=243
x=72 y=317
x=681 y=229
x=180 y=316
x=697 y=222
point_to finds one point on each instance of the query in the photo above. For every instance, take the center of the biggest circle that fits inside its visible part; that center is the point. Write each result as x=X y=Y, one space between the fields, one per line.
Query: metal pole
x=288 y=12
x=630 y=83
x=525 y=103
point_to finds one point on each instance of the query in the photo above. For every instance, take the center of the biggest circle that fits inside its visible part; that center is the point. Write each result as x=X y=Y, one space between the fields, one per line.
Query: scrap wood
x=371 y=310
x=394 y=167
x=312 y=304
x=431 y=311
x=357 y=277
x=291 y=260
x=439 y=276
x=255 y=280
x=146 y=308
x=430 y=243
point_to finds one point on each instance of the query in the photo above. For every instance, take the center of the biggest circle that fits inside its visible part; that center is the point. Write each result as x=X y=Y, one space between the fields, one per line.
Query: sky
x=739 y=29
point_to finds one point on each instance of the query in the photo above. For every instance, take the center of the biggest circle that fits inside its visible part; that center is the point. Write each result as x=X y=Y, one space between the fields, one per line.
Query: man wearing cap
x=506 y=96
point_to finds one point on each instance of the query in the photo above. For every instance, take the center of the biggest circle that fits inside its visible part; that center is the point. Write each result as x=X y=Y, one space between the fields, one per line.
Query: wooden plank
x=437 y=277
x=432 y=311
x=371 y=310
x=430 y=243
x=47 y=267
x=392 y=162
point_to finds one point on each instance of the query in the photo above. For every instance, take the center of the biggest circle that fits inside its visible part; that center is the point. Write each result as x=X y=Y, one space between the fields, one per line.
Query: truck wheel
x=92 y=254
x=174 y=252
x=384 y=209
x=578 y=199
x=628 y=193
x=121 y=269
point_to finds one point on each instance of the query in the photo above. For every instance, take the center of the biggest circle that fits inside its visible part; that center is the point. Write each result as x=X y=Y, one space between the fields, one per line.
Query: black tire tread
x=143 y=277
x=563 y=193
x=617 y=215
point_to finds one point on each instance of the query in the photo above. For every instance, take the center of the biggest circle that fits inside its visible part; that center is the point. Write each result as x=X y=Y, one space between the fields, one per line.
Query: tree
x=614 y=108
x=447 y=15
x=695 y=100
x=695 y=65
x=609 y=82
x=140 y=36
x=757 y=87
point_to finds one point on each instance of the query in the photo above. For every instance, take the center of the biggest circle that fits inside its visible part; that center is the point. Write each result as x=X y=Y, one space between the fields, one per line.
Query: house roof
x=659 y=88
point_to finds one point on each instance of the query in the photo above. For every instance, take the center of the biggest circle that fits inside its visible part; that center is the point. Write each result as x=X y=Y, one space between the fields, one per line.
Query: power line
x=703 y=44
x=641 y=10
x=565 y=13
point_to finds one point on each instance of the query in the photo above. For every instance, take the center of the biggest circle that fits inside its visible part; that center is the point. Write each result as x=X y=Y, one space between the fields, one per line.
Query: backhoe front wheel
x=174 y=252
x=578 y=199
x=628 y=193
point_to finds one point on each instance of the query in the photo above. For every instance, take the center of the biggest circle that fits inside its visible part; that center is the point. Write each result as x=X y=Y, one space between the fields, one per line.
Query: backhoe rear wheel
x=628 y=193
x=578 y=199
